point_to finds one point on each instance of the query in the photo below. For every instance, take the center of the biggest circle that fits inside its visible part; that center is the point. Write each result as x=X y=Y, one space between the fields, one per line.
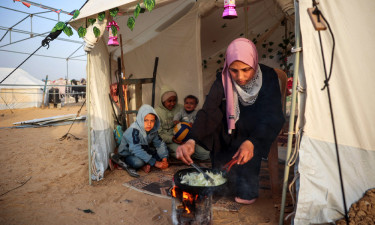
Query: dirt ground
x=362 y=212
x=45 y=181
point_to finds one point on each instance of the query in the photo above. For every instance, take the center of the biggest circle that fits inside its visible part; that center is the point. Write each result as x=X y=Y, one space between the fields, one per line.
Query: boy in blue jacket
x=141 y=146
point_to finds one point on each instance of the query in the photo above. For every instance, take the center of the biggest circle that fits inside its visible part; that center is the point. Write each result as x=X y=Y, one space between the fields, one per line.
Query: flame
x=174 y=192
x=188 y=199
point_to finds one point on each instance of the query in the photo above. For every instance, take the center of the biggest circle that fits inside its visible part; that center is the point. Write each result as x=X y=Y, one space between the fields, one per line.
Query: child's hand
x=165 y=161
x=175 y=141
x=163 y=164
x=176 y=122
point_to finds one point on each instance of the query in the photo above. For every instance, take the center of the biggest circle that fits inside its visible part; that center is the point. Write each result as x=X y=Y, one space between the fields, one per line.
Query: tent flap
x=320 y=197
x=101 y=126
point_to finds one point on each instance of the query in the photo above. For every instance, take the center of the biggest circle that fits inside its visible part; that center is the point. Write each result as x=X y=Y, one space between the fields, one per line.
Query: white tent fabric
x=190 y=38
x=97 y=6
x=320 y=197
x=179 y=32
x=15 y=96
x=101 y=119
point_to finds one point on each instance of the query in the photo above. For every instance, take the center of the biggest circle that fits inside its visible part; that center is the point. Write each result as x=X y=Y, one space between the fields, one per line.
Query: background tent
x=16 y=96
x=190 y=39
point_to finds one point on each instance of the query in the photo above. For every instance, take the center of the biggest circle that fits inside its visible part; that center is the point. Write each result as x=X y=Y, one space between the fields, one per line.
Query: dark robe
x=260 y=123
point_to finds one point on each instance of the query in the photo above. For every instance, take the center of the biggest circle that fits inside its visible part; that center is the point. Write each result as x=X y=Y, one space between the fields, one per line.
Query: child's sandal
x=115 y=158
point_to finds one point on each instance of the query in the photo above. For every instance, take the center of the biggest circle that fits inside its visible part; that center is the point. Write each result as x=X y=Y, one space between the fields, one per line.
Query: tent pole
x=246 y=20
x=126 y=87
x=6 y=104
x=292 y=110
x=88 y=105
x=44 y=90
x=67 y=78
x=154 y=81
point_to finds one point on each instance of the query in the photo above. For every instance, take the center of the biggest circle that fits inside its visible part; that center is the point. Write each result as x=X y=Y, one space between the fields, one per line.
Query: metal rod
x=13 y=26
x=42 y=85
x=33 y=93
x=10 y=38
x=47 y=56
x=28 y=32
x=31 y=25
x=45 y=7
x=72 y=58
x=27 y=13
x=42 y=35
x=20 y=65
x=246 y=20
x=44 y=91
x=292 y=111
x=74 y=52
x=42 y=12
x=67 y=77
x=7 y=105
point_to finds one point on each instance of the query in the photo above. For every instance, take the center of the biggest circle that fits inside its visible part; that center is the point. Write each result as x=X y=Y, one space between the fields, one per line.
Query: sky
x=39 y=66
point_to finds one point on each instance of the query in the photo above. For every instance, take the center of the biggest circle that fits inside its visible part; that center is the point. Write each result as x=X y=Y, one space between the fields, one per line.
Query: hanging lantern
x=112 y=30
x=229 y=9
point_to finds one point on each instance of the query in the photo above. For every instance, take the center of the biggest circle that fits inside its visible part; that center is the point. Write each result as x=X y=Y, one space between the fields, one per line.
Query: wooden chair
x=273 y=158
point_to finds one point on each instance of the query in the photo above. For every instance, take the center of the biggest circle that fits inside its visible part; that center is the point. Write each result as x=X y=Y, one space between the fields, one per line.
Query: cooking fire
x=190 y=208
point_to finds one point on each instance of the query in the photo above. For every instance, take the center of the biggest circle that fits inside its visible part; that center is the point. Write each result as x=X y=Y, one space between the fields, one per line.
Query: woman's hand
x=184 y=152
x=245 y=152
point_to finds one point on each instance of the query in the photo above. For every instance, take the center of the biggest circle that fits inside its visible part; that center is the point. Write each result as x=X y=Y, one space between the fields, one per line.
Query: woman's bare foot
x=146 y=168
x=244 y=201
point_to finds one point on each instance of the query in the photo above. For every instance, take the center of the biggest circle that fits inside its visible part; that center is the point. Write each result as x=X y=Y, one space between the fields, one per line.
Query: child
x=141 y=145
x=168 y=107
x=188 y=113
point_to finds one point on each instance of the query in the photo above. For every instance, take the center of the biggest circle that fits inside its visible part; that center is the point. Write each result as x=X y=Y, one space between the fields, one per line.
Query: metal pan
x=202 y=190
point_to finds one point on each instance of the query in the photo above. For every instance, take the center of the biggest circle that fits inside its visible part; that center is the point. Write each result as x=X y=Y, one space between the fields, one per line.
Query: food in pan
x=197 y=179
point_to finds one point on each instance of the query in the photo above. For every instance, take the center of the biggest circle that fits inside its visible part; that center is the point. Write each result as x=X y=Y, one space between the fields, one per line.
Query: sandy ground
x=45 y=181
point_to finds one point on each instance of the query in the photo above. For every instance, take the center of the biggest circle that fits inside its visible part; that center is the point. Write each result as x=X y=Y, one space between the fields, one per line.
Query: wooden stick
x=123 y=72
x=154 y=81
x=121 y=94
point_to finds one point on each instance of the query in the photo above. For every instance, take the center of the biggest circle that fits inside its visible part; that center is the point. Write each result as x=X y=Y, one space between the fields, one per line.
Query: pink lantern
x=112 y=38
x=229 y=9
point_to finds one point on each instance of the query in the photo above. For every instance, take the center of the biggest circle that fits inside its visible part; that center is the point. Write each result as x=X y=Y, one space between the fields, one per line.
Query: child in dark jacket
x=141 y=146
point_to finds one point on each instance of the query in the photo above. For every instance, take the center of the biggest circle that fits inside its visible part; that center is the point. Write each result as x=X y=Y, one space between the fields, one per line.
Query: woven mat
x=159 y=183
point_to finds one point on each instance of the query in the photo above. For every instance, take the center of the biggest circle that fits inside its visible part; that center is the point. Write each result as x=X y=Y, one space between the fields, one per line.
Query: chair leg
x=274 y=171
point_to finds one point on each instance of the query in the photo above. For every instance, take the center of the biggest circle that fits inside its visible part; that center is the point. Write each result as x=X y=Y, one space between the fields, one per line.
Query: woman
x=240 y=119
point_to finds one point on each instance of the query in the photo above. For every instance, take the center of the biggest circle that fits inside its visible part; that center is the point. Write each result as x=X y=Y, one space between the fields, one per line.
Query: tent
x=320 y=199
x=189 y=48
x=14 y=95
x=190 y=38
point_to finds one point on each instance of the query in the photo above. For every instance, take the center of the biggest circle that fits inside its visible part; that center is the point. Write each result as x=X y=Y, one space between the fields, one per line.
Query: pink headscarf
x=243 y=50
